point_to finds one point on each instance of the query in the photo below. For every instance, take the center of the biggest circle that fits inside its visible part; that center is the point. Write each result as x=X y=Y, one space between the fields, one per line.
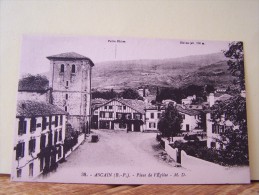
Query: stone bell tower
x=70 y=80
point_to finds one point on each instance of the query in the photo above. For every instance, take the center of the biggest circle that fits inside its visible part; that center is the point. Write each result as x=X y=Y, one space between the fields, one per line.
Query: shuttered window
x=33 y=124
x=22 y=126
x=32 y=144
x=42 y=141
x=20 y=150
x=55 y=137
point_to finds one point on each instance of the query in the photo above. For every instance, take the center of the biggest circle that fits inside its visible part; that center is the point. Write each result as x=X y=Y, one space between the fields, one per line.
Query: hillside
x=215 y=74
x=165 y=73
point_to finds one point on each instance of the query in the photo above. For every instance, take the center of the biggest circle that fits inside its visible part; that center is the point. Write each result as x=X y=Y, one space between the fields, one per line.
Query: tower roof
x=70 y=56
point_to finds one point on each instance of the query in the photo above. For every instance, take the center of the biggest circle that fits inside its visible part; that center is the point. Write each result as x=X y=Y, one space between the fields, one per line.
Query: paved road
x=119 y=150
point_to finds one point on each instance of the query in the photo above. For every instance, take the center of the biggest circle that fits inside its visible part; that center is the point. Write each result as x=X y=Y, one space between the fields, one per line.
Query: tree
x=130 y=94
x=236 y=62
x=104 y=94
x=170 y=123
x=234 y=140
x=34 y=83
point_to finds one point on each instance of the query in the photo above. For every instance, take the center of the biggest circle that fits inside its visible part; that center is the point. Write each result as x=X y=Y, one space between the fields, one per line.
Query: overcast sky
x=35 y=49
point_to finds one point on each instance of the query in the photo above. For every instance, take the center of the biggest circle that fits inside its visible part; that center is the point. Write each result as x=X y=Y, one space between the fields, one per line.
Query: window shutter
x=60 y=135
x=34 y=144
x=24 y=126
x=56 y=137
x=30 y=146
x=18 y=151
x=61 y=120
x=20 y=127
x=44 y=121
x=50 y=122
x=56 y=121
x=22 y=151
x=50 y=139
x=42 y=141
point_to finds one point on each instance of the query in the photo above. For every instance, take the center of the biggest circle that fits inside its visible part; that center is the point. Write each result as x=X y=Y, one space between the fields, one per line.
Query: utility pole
x=115 y=46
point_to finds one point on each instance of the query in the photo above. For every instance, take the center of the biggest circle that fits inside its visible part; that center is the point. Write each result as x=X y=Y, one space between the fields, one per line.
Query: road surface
x=117 y=150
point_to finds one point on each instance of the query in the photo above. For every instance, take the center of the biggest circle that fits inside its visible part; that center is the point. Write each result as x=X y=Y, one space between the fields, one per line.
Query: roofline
x=154 y=109
x=37 y=91
x=70 y=58
x=116 y=99
x=29 y=116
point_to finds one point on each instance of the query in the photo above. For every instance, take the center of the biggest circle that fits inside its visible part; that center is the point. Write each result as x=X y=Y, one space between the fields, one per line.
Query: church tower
x=70 y=80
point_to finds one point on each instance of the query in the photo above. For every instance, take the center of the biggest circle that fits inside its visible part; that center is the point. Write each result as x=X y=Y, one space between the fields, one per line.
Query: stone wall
x=71 y=90
x=67 y=80
x=33 y=96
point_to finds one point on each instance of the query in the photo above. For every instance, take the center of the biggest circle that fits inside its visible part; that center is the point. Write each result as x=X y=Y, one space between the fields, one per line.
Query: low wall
x=188 y=161
x=80 y=140
x=191 y=162
x=178 y=139
x=170 y=151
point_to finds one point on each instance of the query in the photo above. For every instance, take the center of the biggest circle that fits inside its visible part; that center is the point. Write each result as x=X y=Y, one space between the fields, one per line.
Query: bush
x=158 y=137
x=199 y=150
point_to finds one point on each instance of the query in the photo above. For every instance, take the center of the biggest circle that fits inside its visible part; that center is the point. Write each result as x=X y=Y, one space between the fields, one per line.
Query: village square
x=63 y=122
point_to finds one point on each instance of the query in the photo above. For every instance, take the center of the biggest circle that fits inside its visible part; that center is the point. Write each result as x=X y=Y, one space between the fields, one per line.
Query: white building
x=39 y=138
x=188 y=100
x=214 y=129
x=153 y=114
x=119 y=114
x=143 y=92
x=191 y=118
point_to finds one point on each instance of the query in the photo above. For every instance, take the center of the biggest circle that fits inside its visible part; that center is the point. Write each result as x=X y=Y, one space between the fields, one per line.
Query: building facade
x=34 y=88
x=39 y=138
x=119 y=114
x=214 y=129
x=70 y=80
x=191 y=118
x=153 y=114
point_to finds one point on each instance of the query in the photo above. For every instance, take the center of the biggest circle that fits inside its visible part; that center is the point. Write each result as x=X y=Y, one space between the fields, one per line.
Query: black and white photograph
x=115 y=110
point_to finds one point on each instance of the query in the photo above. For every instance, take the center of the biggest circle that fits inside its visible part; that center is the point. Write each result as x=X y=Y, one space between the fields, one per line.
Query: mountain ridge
x=159 y=72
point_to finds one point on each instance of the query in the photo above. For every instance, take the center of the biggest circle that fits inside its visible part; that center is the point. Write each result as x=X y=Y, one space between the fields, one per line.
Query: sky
x=35 y=49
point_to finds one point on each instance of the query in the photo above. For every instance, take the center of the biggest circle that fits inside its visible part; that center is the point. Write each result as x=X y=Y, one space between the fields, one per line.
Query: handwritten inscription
x=192 y=43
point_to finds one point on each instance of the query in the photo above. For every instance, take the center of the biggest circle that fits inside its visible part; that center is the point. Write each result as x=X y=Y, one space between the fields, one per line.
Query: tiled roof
x=155 y=107
x=137 y=105
x=28 y=108
x=95 y=103
x=223 y=97
x=70 y=55
x=187 y=111
x=184 y=110
x=194 y=107
x=98 y=101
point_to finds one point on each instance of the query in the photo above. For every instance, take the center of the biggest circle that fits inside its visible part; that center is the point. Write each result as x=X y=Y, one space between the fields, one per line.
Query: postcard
x=114 y=110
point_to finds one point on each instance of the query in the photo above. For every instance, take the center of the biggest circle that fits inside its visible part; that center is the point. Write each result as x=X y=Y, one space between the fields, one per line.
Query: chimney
x=211 y=99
